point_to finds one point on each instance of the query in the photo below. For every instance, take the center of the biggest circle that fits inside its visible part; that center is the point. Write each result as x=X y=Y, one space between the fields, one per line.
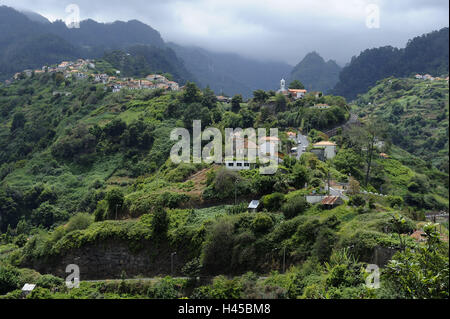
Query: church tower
x=282 y=86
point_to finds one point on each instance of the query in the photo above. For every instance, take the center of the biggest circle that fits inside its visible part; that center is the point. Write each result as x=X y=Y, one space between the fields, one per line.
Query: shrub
x=164 y=289
x=273 y=201
x=224 y=183
x=9 y=279
x=160 y=223
x=294 y=206
x=49 y=281
x=394 y=201
x=218 y=247
x=323 y=246
x=299 y=176
x=79 y=222
x=47 y=215
x=114 y=199
x=262 y=223
x=357 y=200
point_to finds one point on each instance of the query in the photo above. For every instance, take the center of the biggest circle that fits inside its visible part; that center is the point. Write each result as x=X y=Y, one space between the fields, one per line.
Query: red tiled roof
x=419 y=235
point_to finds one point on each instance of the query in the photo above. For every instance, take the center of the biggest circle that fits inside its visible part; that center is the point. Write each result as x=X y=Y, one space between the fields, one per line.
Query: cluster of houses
x=245 y=146
x=429 y=77
x=152 y=81
x=270 y=146
x=83 y=69
x=78 y=68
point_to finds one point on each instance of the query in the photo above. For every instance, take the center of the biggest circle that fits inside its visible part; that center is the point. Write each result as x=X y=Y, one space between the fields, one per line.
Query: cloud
x=266 y=29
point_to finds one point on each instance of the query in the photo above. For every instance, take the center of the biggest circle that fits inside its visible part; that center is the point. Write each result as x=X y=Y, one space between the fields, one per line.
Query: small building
x=297 y=93
x=325 y=150
x=384 y=156
x=322 y=106
x=223 y=99
x=27 y=289
x=237 y=165
x=269 y=145
x=314 y=199
x=254 y=206
x=331 y=201
x=292 y=136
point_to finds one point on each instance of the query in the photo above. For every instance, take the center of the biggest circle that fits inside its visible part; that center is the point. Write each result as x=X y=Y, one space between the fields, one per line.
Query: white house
x=237 y=165
x=329 y=149
x=269 y=145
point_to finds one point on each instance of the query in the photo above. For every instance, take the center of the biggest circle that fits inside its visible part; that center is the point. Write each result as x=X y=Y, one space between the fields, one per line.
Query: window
x=247 y=164
x=239 y=164
x=230 y=164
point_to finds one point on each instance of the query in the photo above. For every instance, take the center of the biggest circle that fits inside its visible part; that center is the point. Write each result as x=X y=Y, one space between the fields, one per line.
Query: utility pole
x=328 y=182
x=235 y=191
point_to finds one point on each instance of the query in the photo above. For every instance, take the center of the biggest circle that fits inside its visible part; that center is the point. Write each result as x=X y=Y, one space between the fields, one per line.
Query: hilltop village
x=86 y=69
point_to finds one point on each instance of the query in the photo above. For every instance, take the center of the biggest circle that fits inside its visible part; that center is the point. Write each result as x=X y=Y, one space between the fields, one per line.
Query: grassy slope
x=418 y=112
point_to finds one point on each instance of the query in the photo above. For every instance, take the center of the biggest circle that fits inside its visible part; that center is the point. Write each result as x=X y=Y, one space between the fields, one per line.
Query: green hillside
x=417 y=113
x=88 y=174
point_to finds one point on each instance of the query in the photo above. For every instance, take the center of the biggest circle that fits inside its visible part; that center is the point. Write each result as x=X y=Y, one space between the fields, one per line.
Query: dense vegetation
x=425 y=54
x=417 y=113
x=90 y=168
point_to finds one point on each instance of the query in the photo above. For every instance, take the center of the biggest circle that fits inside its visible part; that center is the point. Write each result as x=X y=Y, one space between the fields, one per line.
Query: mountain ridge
x=316 y=73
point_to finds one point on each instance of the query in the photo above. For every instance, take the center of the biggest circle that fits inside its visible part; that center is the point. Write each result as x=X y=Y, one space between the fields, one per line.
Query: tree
x=191 y=93
x=59 y=78
x=294 y=206
x=398 y=223
x=236 y=103
x=299 y=176
x=218 y=247
x=421 y=273
x=19 y=121
x=47 y=215
x=224 y=182
x=280 y=103
x=296 y=85
x=260 y=96
x=364 y=139
x=192 y=269
x=209 y=99
x=353 y=186
x=9 y=279
x=160 y=222
x=115 y=200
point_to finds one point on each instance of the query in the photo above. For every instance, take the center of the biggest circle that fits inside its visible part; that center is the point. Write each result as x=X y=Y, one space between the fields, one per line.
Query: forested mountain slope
x=315 y=73
x=417 y=112
x=424 y=54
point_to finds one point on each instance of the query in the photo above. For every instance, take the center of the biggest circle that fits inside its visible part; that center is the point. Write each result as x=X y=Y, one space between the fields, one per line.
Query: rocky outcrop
x=110 y=259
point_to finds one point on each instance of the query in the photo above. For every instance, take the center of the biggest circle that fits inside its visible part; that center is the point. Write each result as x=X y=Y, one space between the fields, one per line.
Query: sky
x=277 y=30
